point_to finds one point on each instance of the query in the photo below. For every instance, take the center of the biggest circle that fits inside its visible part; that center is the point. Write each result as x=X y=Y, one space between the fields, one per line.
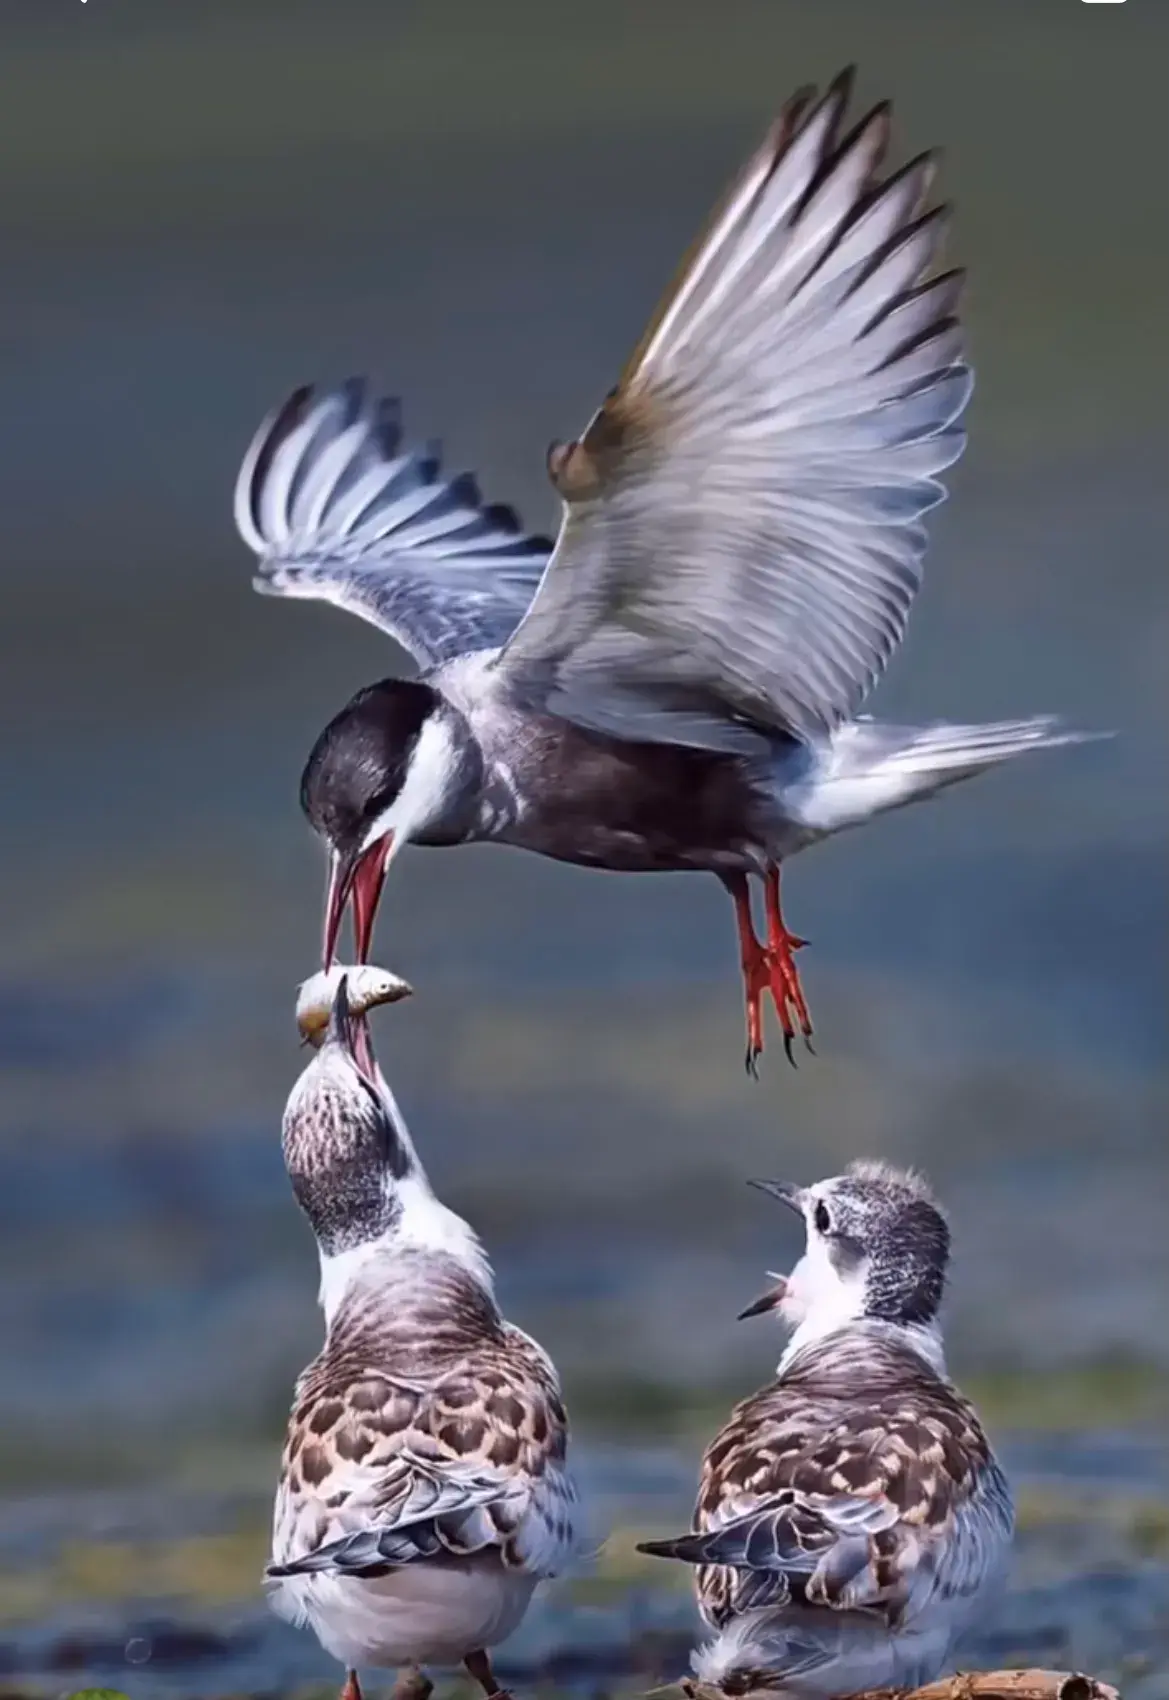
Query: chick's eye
x=821 y=1218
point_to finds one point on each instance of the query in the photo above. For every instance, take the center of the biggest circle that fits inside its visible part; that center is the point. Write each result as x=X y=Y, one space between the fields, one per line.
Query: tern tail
x=868 y=767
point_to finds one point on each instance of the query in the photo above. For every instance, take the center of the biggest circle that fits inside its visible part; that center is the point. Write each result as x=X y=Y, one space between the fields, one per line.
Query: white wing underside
x=742 y=536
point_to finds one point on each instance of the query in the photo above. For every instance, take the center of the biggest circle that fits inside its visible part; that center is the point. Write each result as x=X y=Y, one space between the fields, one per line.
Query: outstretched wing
x=339 y=510
x=742 y=533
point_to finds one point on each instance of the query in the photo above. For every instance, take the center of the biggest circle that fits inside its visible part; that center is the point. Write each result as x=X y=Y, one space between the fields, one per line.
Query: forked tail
x=867 y=767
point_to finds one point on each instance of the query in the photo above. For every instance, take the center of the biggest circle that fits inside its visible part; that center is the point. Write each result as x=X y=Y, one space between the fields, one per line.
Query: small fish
x=366 y=986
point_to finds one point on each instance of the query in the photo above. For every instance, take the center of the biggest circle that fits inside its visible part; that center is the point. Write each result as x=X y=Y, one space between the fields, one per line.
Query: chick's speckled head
x=878 y=1247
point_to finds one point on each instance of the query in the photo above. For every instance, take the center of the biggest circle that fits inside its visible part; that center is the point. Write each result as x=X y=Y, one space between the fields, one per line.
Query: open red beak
x=360 y=879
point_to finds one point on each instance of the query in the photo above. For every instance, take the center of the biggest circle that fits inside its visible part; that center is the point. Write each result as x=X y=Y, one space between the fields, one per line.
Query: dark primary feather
x=430 y=1522
x=743 y=516
x=339 y=509
x=788 y=1533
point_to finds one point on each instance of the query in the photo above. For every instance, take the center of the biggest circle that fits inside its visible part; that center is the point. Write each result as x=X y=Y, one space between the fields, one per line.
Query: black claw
x=808 y=1045
x=789 y=1048
x=752 y=1063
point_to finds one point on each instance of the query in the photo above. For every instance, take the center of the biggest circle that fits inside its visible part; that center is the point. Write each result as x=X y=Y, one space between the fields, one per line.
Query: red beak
x=360 y=879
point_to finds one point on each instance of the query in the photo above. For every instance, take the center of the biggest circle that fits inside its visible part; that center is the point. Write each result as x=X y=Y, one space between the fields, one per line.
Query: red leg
x=785 y=986
x=768 y=967
x=753 y=959
x=479 y=1669
x=351 y=1690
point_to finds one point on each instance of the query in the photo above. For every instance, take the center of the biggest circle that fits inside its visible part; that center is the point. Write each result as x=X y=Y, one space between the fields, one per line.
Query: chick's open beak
x=358 y=878
x=349 y=1028
x=767 y=1301
x=792 y=1196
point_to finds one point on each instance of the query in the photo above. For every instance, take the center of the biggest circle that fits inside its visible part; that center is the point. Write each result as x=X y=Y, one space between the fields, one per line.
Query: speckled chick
x=424 y=1490
x=851 y=1514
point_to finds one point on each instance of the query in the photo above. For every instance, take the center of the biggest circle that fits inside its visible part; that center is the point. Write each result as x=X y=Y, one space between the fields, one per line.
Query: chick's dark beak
x=338 y=1031
x=768 y=1301
x=358 y=878
x=349 y=1029
x=792 y=1196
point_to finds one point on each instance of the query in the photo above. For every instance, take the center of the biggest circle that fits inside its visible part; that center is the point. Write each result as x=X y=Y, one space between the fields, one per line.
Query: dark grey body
x=635 y=808
x=458 y=756
x=578 y=796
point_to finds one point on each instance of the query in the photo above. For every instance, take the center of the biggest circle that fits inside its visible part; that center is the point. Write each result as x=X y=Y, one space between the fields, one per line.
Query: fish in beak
x=355 y=878
x=332 y=1006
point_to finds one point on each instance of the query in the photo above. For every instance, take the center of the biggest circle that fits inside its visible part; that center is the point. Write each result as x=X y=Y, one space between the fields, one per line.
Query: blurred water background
x=203 y=205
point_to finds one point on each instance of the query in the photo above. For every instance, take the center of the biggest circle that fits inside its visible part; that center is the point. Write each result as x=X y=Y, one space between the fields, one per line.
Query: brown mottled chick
x=851 y=1514
x=424 y=1490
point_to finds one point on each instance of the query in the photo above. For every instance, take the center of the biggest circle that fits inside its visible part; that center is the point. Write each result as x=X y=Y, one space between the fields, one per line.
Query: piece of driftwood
x=970 y=1685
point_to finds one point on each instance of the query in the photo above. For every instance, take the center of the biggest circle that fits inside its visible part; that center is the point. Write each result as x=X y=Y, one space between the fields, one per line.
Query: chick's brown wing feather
x=468 y=1456
x=834 y=1502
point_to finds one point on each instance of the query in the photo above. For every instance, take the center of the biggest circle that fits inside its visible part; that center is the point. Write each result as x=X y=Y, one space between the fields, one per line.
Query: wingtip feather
x=665 y=1548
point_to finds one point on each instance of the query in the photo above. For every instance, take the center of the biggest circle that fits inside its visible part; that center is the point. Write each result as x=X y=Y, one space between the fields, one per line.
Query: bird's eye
x=821 y=1218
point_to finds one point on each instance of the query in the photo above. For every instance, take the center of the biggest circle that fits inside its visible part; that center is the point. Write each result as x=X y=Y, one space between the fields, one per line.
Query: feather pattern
x=428 y=1426
x=339 y=509
x=742 y=535
x=856 y=1493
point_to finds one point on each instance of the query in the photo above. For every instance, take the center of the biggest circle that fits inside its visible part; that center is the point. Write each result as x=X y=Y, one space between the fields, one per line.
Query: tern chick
x=424 y=1490
x=851 y=1515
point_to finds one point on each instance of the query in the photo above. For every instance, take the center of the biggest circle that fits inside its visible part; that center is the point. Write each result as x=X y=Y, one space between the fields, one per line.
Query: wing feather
x=882 y=1502
x=381 y=1471
x=742 y=534
x=434 y=1514
x=339 y=510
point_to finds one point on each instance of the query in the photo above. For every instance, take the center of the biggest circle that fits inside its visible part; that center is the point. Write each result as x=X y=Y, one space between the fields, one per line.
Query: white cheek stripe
x=429 y=778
